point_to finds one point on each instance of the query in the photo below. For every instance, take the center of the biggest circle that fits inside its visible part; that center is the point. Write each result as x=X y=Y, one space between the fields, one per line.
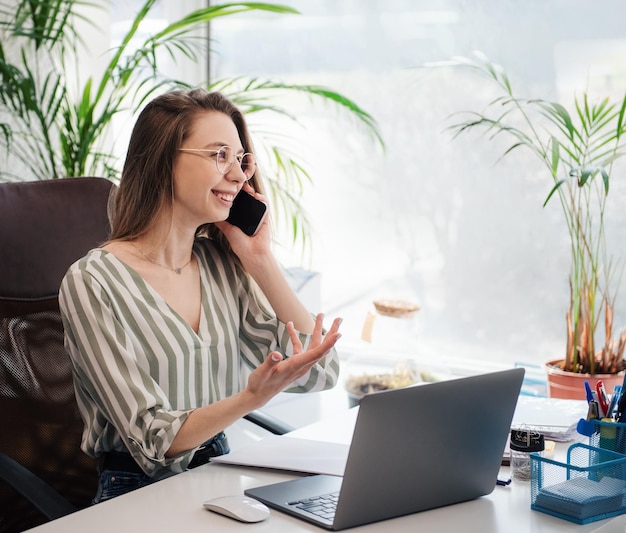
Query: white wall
x=436 y=220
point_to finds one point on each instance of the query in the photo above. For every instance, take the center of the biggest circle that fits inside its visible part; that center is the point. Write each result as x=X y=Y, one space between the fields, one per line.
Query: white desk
x=175 y=504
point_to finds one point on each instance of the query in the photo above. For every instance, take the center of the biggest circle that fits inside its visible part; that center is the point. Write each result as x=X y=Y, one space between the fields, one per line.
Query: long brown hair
x=146 y=186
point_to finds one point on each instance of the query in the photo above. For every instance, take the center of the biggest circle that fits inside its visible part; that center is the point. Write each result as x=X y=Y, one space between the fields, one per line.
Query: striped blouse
x=140 y=369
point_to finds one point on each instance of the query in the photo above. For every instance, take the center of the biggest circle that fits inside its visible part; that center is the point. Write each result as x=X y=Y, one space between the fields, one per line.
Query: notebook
x=412 y=449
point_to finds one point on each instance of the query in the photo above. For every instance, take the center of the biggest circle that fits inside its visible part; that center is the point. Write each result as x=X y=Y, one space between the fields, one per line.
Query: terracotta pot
x=570 y=385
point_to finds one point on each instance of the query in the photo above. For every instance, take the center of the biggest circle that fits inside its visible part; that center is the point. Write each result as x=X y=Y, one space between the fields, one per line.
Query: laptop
x=412 y=449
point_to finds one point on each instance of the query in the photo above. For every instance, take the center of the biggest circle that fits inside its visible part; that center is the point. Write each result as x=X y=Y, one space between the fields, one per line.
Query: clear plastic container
x=523 y=443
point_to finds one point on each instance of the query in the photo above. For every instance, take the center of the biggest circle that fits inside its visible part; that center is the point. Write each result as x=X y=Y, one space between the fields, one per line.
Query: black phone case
x=247 y=213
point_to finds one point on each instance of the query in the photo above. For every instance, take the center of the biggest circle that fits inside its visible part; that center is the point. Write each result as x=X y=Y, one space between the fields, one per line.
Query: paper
x=295 y=454
x=555 y=418
x=583 y=498
x=337 y=429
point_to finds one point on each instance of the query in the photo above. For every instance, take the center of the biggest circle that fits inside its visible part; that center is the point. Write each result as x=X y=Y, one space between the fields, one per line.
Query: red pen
x=602 y=399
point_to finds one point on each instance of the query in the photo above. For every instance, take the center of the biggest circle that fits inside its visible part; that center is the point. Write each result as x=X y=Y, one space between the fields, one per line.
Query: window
x=435 y=220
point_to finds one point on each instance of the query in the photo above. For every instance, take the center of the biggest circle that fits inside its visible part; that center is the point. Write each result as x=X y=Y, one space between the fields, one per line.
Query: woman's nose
x=236 y=173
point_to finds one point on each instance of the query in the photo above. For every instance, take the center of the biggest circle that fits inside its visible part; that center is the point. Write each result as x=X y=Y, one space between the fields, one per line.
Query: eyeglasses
x=225 y=159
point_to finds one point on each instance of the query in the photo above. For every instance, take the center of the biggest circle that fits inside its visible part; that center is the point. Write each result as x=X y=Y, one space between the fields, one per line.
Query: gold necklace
x=146 y=256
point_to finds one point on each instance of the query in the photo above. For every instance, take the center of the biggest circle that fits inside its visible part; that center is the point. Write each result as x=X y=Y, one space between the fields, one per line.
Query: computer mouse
x=242 y=508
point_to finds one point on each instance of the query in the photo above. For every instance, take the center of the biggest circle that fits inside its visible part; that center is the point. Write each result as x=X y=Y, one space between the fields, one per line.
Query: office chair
x=44 y=227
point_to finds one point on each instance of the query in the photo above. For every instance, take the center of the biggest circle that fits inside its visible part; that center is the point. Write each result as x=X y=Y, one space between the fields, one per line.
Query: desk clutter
x=523 y=442
x=591 y=484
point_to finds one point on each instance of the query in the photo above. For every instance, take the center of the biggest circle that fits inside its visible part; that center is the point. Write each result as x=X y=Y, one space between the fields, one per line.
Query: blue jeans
x=123 y=475
x=112 y=483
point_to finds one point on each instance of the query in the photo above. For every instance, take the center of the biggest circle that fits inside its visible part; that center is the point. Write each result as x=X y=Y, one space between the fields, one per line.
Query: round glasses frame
x=225 y=159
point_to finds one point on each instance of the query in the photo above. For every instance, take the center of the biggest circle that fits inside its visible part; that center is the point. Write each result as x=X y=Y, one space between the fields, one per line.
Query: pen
x=592 y=411
x=588 y=392
x=620 y=406
x=602 y=399
x=617 y=391
x=621 y=402
x=596 y=403
x=503 y=482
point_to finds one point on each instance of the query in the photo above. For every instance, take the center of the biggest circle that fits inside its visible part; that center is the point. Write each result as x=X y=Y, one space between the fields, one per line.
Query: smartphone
x=247 y=213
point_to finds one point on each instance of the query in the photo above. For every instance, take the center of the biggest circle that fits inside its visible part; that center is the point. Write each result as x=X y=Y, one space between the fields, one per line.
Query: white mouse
x=242 y=508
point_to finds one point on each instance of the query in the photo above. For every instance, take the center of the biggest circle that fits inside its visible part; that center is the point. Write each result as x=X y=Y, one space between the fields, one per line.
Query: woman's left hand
x=277 y=372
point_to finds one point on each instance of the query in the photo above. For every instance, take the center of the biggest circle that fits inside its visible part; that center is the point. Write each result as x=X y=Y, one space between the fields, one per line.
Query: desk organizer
x=590 y=486
x=609 y=436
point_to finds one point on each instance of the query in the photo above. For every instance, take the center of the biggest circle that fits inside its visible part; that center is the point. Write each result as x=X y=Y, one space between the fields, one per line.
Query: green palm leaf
x=56 y=134
x=578 y=150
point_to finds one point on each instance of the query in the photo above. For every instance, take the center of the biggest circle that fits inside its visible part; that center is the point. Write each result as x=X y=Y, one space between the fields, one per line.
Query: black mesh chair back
x=44 y=227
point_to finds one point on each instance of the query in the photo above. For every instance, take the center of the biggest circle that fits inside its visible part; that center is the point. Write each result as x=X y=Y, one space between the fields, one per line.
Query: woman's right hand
x=277 y=373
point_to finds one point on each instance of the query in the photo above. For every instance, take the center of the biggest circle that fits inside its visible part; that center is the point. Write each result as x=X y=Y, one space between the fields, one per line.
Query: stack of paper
x=554 y=418
x=285 y=453
x=302 y=450
x=583 y=498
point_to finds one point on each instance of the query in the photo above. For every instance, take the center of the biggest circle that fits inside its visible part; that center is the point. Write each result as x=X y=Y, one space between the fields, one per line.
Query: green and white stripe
x=140 y=369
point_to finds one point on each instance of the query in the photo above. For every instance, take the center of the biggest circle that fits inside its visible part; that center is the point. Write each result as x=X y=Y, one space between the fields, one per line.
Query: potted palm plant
x=578 y=150
x=53 y=124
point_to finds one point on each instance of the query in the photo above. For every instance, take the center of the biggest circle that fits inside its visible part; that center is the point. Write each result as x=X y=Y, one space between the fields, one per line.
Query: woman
x=158 y=320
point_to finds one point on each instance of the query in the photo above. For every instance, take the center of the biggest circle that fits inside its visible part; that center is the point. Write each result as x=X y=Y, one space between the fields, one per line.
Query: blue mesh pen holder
x=609 y=436
x=589 y=486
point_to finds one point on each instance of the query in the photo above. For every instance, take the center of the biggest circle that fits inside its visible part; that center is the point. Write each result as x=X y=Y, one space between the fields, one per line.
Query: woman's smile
x=226 y=198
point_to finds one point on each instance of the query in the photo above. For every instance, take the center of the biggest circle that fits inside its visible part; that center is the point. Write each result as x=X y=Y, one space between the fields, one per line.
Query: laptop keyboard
x=323 y=506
